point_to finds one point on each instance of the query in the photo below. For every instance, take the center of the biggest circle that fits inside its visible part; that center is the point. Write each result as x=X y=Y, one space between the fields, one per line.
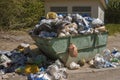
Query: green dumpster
x=57 y=48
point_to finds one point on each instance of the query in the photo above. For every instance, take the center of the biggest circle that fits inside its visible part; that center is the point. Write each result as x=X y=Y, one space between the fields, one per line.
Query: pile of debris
x=35 y=66
x=55 y=71
x=108 y=59
x=39 y=67
x=59 y=26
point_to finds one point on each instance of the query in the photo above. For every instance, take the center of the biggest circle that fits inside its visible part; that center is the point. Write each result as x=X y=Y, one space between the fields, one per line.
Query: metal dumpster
x=57 y=48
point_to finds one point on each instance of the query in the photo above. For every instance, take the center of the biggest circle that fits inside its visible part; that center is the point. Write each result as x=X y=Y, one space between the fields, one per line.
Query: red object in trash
x=72 y=50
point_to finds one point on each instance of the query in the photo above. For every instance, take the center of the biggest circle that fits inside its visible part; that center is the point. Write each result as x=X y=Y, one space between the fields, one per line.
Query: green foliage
x=114 y=5
x=15 y=14
x=113 y=28
x=113 y=11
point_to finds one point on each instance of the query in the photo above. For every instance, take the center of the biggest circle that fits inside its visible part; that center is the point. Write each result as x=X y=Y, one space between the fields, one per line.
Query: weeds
x=113 y=28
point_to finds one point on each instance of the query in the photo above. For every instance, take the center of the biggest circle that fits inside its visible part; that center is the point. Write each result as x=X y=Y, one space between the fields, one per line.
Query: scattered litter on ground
x=17 y=61
x=35 y=66
x=108 y=59
x=74 y=65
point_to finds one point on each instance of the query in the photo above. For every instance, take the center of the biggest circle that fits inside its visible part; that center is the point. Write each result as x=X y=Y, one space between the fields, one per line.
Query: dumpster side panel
x=101 y=39
x=82 y=42
x=45 y=46
x=53 y=48
x=60 y=45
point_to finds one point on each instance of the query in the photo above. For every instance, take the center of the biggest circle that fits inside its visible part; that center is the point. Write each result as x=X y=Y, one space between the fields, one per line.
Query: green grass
x=113 y=28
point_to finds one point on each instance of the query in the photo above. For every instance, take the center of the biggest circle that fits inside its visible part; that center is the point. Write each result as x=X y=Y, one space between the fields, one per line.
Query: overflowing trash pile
x=35 y=66
x=59 y=26
x=56 y=71
x=107 y=59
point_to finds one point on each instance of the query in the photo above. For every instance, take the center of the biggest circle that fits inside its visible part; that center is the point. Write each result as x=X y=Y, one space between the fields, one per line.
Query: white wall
x=101 y=12
x=96 y=10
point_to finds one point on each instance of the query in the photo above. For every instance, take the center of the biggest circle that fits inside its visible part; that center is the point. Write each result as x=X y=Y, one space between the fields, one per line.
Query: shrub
x=17 y=14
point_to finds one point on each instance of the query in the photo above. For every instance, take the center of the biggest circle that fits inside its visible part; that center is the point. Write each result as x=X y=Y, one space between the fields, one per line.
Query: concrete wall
x=101 y=12
x=96 y=9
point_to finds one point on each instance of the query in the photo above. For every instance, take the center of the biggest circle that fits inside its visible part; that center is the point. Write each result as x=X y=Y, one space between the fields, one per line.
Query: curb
x=91 y=70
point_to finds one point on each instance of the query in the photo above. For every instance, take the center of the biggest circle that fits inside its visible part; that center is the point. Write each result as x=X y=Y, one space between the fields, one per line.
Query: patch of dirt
x=114 y=41
x=10 y=40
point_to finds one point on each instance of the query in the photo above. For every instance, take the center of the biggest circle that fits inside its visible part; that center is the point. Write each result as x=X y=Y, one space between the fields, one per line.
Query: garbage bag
x=42 y=27
x=68 y=18
x=99 y=61
x=51 y=15
x=72 y=50
x=107 y=54
x=116 y=53
x=24 y=48
x=74 y=65
x=97 y=22
x=27 y=69
x=41 y=76
x=57 y=71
